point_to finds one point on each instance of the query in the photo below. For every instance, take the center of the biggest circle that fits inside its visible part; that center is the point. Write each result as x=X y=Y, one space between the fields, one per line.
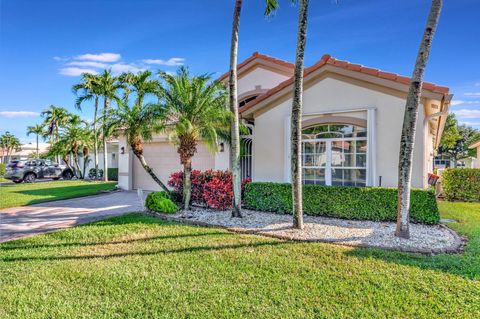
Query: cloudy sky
x=46 y=44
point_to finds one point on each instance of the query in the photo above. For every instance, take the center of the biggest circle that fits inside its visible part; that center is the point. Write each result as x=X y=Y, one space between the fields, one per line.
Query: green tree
x=139 y=121
x=194 y=111
x=9 y=143
x=38 y=130
x=410 y=120
x=108 y=88
x=54 y=118
x=86 y=90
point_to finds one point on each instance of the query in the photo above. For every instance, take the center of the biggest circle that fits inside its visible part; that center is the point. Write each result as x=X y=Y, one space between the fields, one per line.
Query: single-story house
x=352 y=122
x=476 y=145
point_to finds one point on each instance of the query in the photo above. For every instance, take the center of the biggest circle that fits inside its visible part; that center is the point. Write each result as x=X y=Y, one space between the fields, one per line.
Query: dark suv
x=29 y=171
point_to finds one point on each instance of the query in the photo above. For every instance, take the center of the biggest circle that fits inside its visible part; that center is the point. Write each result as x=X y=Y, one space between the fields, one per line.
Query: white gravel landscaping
x=424 y=238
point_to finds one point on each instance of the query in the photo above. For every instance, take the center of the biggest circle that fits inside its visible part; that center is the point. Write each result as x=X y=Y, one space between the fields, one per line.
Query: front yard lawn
x=27 y=194
x=4 y=180
x=137 y=266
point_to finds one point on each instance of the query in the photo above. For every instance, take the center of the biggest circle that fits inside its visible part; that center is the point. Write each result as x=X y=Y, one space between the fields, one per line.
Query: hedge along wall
x=362 y=203
x=461 y=184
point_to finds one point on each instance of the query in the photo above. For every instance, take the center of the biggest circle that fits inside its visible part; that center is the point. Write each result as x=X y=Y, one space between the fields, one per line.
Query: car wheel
x=67 y=175
x=18 y=181
x=29 y=178
x=55 y=178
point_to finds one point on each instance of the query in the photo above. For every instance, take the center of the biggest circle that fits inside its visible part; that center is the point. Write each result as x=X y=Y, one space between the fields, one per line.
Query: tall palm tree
x=38 y=130
x=193 y=110
x=87 y=90
x=410 y=120
x=141 y=84
x=108 y=87
x=55 y=117
x=271 y=6
x=9 y=143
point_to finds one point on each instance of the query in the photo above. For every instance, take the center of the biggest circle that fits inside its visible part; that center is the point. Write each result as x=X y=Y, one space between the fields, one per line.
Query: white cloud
x=460 y=102
x=74 y=71
x=468 y=114
x=169 y=62
x=18 y=113
x=91 y=64
x=122 y=67
x=101 y=57
x=470 y=123
x=472 y=94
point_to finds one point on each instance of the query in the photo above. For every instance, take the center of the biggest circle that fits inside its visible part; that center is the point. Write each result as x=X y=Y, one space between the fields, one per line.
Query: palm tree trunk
x=235 y=126
x=105 y=151
x=187 y=184
x=409 y=123
x=57 y=157
x=37 y=146
x=95 y=137
x=296 y=132
x=150 y=172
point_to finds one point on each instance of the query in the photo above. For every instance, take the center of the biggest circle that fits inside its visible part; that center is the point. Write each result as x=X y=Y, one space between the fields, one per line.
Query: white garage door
x=163 y=158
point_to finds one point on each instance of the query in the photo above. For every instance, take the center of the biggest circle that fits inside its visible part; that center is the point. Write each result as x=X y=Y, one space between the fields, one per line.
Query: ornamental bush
x=461 y=184
x=112 y=174
x=211 y=188
x=361 y=203
x=160 y=202
x=3 y=169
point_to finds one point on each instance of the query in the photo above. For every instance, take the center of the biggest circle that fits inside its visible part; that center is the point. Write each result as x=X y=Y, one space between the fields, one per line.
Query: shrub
x=91 y=173
x=211 y=188
x=160 y=202
x=113 y=174
x=362 y=203
x=461 y=184
x=3 y=169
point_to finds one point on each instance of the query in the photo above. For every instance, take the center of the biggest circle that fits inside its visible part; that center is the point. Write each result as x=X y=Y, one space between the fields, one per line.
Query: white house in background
x=352 y=122
x=476 y=163
x=26 y=151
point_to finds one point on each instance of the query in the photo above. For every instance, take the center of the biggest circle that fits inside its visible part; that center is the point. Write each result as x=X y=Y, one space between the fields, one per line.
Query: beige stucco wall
x=266 y=79
x=330 y=95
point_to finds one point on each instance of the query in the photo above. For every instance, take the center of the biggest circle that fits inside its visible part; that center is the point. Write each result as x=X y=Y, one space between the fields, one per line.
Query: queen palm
x=141 y=84
x=108 y=87
x=38 y=130
x=194 y=111
x=9 y=143
x=55 y=117
x=410 y=120
x=87 y=90
x=76 y=136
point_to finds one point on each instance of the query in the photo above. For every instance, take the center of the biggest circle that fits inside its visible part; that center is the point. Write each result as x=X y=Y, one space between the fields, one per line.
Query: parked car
x=29 y=171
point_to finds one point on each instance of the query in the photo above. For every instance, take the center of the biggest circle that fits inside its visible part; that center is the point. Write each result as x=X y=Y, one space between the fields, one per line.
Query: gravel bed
x=426 y=239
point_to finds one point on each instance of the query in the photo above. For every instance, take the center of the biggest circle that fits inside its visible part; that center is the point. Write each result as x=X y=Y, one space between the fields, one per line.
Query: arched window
x=334 y=154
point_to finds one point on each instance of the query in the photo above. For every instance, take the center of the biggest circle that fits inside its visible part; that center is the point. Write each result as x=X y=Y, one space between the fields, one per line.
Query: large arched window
x=334 y=154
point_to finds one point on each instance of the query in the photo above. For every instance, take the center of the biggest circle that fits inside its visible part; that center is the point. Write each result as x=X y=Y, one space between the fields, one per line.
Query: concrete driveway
x=25 y=221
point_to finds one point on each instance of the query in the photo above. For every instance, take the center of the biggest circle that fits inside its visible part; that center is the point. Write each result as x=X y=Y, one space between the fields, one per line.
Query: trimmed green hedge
x=461 y=184
x=362 y=203
x=160 y=202
x=3 y=169
x=113 y=174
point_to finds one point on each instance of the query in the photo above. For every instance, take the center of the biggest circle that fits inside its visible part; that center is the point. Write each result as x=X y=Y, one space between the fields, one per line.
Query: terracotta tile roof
x=327 y=59
x=257 y=55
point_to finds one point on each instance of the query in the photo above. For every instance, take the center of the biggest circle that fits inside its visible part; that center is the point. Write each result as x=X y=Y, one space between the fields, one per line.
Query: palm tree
x=410 y=120
x=87 y=90
x=37 y=129
x=139 y=121
x=55 y=117
x=108 y=86
x=193 y=111
x=9 y=143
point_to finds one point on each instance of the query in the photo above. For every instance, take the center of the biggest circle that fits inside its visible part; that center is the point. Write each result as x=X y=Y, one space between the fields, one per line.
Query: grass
x=136 y=266
x=4 y=180
x=27 y=194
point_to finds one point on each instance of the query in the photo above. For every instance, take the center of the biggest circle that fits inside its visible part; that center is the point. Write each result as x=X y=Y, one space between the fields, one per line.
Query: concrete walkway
x=26 y=221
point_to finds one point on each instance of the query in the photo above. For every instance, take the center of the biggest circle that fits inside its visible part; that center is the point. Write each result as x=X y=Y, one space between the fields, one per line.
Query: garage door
x=163 y=158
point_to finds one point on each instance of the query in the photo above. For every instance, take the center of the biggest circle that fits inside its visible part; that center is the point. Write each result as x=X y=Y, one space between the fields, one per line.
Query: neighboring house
x=25 y=152
x=477 y=161
x=352 y=122
x=446 y=161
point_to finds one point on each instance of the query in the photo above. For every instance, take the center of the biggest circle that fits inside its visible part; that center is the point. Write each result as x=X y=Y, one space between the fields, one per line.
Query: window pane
x=361 y=146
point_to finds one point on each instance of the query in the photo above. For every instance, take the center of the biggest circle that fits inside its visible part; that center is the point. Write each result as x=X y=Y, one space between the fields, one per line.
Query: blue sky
x=45 y=44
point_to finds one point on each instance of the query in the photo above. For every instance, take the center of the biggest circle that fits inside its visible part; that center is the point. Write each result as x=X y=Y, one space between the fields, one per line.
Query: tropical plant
x=139 y=121
x=38 y=130
x=54 y=118
x=194 y=111
x=86 y=90
x=410 y=120
x=9 y=143
x=108 y=88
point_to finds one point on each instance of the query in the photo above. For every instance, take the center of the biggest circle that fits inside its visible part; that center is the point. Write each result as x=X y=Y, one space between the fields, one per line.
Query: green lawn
x=4 y=180
x=136 y=266
x=26 y=194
